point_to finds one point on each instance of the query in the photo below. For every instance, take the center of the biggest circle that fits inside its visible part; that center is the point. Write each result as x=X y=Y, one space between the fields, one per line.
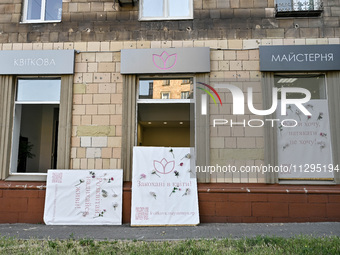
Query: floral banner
x=305 y=150
x=84 y=197
x=164 y=187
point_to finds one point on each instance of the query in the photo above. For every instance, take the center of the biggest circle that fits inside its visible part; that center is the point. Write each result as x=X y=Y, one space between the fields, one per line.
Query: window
x=166 y=82
x=148 y=113
x=165 y=9
x=35 y=126
x=185 y=95
x=36 y=11
x=163 y=122
x=302 y=150
x=298 y=8
x=165 y=95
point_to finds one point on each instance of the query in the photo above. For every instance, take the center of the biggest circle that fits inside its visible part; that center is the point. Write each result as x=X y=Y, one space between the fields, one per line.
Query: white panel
x=305 y=150
x=164 y=187
x=84 y=197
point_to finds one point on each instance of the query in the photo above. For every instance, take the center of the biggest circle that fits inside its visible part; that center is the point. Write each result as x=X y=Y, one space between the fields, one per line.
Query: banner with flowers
x=84 y=197
x=305 y=150
x=164 y=187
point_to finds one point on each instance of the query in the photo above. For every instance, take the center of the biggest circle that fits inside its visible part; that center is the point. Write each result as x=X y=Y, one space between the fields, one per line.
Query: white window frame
x=42 y=14
x=166 y=12
x=187 y=93
x=271 y=156
x=165 y=95
x=16 y=129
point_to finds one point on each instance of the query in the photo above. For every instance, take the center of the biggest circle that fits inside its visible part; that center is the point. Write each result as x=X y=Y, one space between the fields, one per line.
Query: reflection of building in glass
x=172 y=89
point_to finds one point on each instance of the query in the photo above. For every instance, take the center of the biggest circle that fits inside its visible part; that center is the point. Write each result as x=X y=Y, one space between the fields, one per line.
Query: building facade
x=78 y=79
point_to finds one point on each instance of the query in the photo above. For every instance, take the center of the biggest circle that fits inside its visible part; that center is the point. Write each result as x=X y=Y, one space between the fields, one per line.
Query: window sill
x=26 y=177
x=40 y=21
x=162 y=19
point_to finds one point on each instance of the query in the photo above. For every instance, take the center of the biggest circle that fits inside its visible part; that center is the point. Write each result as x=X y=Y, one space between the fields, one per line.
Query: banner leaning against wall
x=164 y=187
x=306 y=149
x=84 y=197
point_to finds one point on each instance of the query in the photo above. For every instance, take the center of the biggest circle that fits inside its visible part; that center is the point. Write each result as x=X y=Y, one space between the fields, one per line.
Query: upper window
x=298 y=8
x=165 y=9
x=36 y=11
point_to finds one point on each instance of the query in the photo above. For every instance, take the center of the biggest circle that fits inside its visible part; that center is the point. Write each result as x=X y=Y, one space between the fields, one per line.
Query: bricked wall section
x=268 y=203
x=102 y=20
x=217 y=203
x=22 y=202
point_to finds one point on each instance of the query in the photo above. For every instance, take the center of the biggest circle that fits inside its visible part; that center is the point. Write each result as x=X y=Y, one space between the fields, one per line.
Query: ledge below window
x=288 y=14
x=26 y=177
x=39 y=21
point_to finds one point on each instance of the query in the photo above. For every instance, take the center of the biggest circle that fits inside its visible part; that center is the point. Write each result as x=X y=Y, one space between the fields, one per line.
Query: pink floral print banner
x=305 y=151
x=164 y=187
x=84 y=197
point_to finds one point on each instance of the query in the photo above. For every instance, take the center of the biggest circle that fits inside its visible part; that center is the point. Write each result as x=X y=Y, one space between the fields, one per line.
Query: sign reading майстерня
x=37 y=62
x=300 y=58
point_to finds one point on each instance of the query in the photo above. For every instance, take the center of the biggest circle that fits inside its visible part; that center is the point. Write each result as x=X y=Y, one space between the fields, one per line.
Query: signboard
x=83 y=197
x=164 y=187
x=37 y=62
x=305 y=150
x=170 y=60
x=300 y=58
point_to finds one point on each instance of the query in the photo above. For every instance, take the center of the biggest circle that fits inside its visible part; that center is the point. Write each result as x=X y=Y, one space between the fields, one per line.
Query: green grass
x=257 y=245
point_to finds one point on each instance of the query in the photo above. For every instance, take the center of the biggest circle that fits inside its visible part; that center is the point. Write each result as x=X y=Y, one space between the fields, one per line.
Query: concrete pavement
x=125 y=232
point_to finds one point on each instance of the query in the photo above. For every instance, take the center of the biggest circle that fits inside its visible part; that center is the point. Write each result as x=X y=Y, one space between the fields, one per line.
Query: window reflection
x=33 y=9
x=53 y=10
x=166 y=89
x=179 y=8
x=314 y=83
x=152 y=8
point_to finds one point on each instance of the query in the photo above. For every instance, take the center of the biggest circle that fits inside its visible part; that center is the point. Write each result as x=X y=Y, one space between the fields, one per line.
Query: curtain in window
x=129 y=124
x=270 y=140
x=7 y=90
x=65 y=120
x=202 y=133
x=333 y=88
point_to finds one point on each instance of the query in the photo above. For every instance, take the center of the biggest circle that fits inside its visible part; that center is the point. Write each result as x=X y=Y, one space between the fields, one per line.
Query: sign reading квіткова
x=37 y=62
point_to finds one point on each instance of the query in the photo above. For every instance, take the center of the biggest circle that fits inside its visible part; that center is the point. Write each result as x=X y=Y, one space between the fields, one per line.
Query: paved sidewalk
x=125 y=232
